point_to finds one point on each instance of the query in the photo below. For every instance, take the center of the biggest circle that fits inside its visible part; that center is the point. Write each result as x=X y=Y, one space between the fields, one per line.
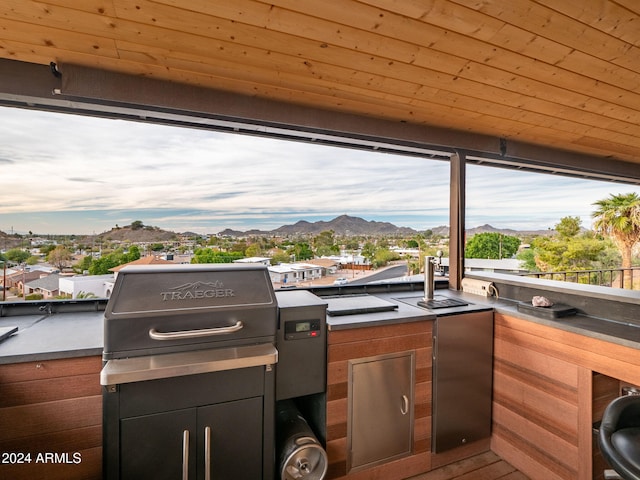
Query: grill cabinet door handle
x=207 y=453
x=185 y=455
x=205 y=332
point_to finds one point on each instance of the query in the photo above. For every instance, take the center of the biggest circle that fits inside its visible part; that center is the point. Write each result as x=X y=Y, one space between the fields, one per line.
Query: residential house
x=148 y=260
x=47 y=285
x=292 y=273
x=263 y=260
x=98 y=285
x=328 y=265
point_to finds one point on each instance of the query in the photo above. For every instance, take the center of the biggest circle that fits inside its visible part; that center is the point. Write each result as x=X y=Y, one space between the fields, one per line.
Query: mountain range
x=343 y=225
x=354 y=226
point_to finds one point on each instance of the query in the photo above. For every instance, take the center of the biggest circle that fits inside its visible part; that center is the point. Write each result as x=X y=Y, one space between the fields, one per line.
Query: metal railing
x=606 y=277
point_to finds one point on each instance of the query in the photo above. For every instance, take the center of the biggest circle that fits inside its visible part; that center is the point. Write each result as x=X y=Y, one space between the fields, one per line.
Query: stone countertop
x=48 y=337
x=407 y=310
x=78 y=334
x=620 y=333
x=403 y=313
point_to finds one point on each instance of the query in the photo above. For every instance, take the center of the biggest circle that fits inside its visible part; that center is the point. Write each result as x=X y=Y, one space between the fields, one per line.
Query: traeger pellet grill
x=188 y=383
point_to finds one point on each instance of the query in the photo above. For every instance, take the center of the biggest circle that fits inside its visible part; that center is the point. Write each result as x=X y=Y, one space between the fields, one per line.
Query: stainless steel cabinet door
x=462 y=379
x=380 y=421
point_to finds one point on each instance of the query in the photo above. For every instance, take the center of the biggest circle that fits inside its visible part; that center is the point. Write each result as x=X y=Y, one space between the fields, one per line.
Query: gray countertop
x=620 y=333
x=47 y=337
x=403 y=313
x=600 y=328
x=78 y=334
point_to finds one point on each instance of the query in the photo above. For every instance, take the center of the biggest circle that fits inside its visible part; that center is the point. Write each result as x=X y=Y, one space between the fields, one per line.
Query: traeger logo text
x=190 y=291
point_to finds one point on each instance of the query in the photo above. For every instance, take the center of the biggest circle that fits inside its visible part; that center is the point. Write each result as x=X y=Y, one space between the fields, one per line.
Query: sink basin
x=441 y=302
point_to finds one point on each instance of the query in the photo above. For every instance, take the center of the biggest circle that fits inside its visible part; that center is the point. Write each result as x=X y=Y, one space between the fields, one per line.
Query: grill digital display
x=298 y=329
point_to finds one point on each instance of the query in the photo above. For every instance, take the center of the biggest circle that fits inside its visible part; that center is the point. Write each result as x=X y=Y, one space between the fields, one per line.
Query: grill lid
x=169 y=290
x=168 y=308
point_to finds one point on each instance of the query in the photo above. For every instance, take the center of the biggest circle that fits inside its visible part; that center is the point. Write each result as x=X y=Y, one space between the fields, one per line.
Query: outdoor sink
x=441 y=302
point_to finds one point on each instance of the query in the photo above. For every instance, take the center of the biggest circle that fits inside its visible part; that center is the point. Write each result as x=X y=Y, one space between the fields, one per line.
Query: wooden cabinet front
x=52 y=411
x=550 y=385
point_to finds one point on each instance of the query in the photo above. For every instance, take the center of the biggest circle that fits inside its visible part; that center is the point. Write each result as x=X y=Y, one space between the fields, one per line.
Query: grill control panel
x=299 y=329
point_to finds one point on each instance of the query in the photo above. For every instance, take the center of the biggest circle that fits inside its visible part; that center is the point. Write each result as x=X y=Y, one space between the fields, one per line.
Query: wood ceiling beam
x=103 y=93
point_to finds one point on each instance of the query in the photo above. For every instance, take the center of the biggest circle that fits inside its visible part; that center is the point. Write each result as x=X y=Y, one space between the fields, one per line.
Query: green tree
x=45 y=249
x=132 y=254
x=59 y=257
x=325 y=243
x=618 y=217
x=102 y=265
x=209 y=255
x=137 y=225
x=17 y=255
x=302 y=251
x=562 y=254
x=568 y=226
x=86 y=295
x=83 y=265
x=369 y=251
x=280 y=256
x=383 y=256
x=253 y=250
x=491 y=245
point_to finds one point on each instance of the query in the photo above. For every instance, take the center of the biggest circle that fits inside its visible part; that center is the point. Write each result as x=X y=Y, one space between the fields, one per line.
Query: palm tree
x=619 y=217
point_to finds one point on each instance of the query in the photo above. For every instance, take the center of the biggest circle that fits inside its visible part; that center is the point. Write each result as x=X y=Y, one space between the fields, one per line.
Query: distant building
x=292 y=273
x=262 y=260
x=504 y=265
x=148 y=260
x=47 y=286
x=99 y=285
x=329 y=265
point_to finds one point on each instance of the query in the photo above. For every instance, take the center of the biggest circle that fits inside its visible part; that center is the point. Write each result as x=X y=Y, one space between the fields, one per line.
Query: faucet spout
x=429 y=277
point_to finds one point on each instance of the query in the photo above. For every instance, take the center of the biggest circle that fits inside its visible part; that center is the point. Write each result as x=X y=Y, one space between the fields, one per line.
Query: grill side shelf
x=153 y=367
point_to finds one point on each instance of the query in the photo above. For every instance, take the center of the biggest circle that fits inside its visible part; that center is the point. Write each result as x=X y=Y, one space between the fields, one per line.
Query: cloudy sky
x=69 y=174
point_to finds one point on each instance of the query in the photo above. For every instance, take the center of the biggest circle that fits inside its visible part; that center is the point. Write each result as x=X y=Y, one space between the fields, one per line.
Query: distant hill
x=347 y=225
x=8 y=242
x=144 y=234
x=342 y=225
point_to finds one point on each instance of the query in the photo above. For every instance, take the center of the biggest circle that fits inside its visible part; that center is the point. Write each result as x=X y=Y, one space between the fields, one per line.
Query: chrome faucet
x=429 y=275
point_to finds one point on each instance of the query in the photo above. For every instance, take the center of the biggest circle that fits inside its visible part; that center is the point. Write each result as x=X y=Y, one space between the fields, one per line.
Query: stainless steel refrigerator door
x=462 y=379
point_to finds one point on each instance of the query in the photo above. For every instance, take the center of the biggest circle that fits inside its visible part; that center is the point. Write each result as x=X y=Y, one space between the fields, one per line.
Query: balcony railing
x=607 y=277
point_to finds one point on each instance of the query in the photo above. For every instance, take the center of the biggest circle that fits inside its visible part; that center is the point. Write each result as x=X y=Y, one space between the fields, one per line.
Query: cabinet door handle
x=185 y=455
x=405 y=405
x=207 y=453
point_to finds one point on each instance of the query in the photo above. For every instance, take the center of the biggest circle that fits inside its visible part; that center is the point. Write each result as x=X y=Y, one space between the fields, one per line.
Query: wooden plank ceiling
x=558 y=73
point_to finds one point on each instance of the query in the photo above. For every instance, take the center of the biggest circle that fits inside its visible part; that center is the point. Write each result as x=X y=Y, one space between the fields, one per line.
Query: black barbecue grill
x=188 y=383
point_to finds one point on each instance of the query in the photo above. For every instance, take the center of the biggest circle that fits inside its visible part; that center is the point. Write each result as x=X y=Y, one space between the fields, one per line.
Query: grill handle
x=205 y=332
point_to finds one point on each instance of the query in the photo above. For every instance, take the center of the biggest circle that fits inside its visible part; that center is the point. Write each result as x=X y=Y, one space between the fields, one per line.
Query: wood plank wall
x=550 y=385
x=52 y=407
x=535 y=406
x=344 y=345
